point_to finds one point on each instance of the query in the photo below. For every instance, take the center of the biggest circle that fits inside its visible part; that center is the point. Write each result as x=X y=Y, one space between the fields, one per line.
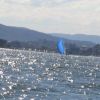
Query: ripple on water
x=36 y=75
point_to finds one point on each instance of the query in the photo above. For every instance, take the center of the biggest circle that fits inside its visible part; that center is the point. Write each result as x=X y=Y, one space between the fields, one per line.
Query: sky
x=53 y=16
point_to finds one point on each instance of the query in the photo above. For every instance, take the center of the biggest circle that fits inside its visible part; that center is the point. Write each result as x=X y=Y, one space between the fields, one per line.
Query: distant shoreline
x=29 y=50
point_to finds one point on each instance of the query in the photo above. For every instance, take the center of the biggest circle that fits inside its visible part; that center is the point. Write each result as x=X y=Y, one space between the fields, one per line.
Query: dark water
x=27 y=75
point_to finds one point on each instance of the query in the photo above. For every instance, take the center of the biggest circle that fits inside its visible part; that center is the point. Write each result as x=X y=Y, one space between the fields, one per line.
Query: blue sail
x=60 y=47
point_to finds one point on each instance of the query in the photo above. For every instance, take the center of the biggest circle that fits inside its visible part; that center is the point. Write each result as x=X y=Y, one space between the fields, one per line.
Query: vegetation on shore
x=51 y=46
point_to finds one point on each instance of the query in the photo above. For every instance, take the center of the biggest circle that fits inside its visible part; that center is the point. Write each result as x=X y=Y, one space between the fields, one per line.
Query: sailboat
x=60 y=47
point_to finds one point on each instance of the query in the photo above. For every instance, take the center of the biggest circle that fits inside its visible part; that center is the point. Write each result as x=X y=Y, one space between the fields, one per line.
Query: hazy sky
x=58 y=16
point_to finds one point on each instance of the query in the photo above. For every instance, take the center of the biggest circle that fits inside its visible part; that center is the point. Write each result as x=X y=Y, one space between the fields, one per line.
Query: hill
x=22 y=34
x=23 y=38
x=80 y=37
x=11 y=33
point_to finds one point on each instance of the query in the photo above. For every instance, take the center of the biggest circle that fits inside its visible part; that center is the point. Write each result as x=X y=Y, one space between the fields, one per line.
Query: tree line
x=51 y=46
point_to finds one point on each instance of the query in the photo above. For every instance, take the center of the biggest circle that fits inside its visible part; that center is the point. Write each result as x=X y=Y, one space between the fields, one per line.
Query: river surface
x=30 y=75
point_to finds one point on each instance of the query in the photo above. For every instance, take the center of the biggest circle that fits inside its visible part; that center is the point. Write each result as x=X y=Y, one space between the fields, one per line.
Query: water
x=27 y=75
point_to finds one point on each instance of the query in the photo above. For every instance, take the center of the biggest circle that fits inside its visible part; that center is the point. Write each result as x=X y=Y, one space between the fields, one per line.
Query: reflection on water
x=28 y=75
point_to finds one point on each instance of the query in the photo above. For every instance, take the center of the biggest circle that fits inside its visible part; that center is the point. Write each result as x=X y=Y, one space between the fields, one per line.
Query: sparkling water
x=29 y=75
